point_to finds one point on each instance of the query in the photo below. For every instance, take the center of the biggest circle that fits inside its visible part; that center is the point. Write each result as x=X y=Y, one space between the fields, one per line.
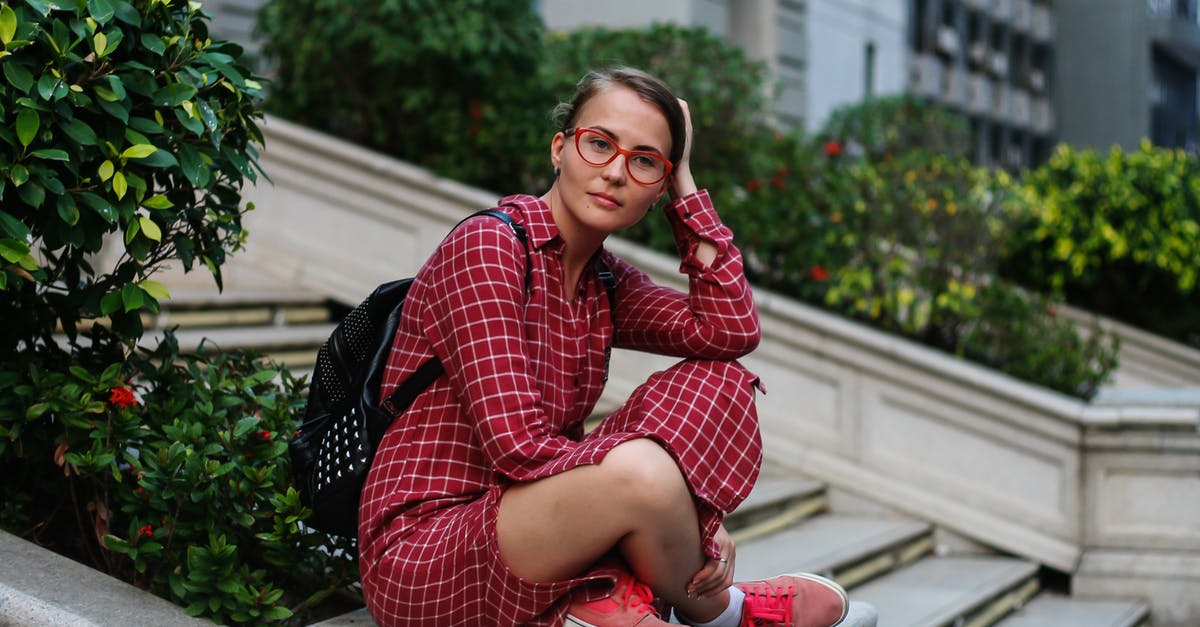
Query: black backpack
x=345 y=420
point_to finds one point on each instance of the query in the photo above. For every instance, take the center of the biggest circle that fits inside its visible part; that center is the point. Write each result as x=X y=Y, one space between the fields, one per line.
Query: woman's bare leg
x=635 y=499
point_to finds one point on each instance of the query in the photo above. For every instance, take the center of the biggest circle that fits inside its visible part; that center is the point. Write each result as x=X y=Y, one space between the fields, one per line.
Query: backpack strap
x=428 y=372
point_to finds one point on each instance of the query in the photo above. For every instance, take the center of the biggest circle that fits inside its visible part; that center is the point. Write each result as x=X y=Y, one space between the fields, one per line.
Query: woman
x=486 y=504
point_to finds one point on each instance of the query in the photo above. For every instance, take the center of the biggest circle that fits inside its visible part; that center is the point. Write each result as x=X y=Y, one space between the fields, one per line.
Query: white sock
x=732 y=615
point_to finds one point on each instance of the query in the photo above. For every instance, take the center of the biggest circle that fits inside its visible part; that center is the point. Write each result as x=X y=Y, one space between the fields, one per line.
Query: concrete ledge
x=40 y=587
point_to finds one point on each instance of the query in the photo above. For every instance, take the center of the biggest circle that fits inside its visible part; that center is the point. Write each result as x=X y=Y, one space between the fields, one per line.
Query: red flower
x=264 y=434
x=475 y=110
x=121 y=397
x=146 y=531
x=753 y=185
x=778 y=182
x=818 y=273
x=832 y=148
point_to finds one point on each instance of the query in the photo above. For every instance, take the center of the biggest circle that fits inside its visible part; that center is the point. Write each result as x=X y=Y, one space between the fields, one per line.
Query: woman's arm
x=716 y=318
x=475 y=290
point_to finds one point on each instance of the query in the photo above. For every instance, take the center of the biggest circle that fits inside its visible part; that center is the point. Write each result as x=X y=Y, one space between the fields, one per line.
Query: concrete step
x=850 y=549
x=963 y=591
x=203 y=308
x=295 y=346
x=1061 y=611
x=775 y=503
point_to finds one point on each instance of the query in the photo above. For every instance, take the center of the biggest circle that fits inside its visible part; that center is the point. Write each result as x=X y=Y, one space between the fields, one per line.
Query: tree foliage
x=448 y=84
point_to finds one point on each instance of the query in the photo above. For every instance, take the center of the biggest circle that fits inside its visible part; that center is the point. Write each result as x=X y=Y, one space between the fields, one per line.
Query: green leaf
x=158 y=201
x=160 y=159
x=99 y=43
x=106 y=170
x=138 y=151
x=115 y=544
x=150 y=229
x=67 y=210
x=13 y=226
x=154 y=43
x=133 y=297
x=101 y=10
x=32 y=193
x=80 y=132
x=100 y=206
x=173 y=94
x=18 y=76
x=51 y=154
x=8 y=24
x=119 y=185
x=110 y=303
x=28 y=123
x=156 y=290
x=132 y=230
x=12 y=250
x=193 y=165
x=19 y=174
x=41 y=6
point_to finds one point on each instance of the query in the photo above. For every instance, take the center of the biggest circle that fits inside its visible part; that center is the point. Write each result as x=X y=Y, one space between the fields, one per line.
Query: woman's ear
x=556 y=150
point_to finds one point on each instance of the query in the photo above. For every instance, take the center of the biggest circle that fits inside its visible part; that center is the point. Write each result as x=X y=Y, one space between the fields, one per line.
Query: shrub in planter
x=170 y=471
x=123 y=122
x=119 y=119
x=1118 y=234
x=909 y=242
x=452 y=85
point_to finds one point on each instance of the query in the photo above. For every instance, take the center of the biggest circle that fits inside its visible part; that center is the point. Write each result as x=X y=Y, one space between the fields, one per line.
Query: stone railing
x=1107 y=491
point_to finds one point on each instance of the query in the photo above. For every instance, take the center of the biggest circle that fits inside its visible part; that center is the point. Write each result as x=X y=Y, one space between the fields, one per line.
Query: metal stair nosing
x=776 y=503
x=850 y=549
x=969 y=591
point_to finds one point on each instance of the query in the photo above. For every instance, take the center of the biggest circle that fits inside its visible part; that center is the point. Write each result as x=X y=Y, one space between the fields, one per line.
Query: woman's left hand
x=681 y=182
x=716 y=574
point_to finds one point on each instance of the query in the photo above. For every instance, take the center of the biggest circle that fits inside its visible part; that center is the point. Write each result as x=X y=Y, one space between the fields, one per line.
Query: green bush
x=1118 y=234
x=452 y=85
x=116 y=118
x=123 y=124
x=170 y=471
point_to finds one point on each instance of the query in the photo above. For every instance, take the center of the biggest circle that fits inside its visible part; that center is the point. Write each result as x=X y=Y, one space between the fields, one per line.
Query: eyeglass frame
x=618 y=151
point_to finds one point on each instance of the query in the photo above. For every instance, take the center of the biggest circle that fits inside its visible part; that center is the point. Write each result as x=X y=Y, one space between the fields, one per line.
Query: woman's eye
x=600 y=144
x=645 y=161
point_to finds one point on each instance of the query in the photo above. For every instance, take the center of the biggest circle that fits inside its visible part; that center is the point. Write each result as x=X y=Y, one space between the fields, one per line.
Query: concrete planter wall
x=1109 y=492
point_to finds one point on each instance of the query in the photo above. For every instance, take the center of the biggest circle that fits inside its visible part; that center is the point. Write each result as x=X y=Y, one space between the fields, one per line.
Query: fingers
x=715 y=576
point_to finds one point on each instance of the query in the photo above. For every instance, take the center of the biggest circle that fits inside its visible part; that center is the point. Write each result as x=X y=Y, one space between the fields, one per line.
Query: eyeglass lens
x=598 y=149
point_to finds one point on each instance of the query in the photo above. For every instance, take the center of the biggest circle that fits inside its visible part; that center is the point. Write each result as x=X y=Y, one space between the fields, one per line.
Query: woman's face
x=605 y=199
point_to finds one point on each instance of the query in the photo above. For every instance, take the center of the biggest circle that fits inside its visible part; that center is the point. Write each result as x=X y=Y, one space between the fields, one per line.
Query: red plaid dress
x=525 y=366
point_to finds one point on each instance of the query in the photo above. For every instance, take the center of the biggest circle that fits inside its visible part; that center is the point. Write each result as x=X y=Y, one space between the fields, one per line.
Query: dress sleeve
x=715 y=319
x=475 y=323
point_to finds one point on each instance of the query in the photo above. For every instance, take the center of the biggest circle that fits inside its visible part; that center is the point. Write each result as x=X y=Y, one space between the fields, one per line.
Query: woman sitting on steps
x=486 y=504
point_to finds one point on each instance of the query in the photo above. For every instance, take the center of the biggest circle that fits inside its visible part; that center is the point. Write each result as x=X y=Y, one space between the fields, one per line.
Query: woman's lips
x=605 y=200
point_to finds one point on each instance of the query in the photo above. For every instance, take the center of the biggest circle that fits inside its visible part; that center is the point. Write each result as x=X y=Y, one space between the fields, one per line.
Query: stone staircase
x=912 y=572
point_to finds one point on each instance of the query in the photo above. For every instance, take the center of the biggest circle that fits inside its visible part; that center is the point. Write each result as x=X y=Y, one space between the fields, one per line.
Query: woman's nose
x=615 y=170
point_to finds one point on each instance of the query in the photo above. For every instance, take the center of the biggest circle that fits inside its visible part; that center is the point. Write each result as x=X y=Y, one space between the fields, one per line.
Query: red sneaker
x=800 y=600
x=630 y=603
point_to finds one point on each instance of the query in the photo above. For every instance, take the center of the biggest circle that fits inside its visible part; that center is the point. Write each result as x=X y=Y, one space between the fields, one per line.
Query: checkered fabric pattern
x=525 y=366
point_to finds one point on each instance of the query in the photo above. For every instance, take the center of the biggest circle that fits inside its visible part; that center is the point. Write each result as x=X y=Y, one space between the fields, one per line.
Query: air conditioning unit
x=947 y=40
x=999 y=64
x=1037 y=81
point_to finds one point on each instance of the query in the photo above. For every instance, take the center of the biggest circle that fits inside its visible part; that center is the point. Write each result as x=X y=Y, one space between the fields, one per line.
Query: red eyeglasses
x=597 y=148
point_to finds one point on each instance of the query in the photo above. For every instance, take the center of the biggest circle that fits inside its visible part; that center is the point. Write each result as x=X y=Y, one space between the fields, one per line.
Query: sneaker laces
x=637 y=596
x=764 y=604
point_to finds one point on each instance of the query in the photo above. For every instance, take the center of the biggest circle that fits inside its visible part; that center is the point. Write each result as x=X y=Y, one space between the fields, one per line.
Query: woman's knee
x=646 y=474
